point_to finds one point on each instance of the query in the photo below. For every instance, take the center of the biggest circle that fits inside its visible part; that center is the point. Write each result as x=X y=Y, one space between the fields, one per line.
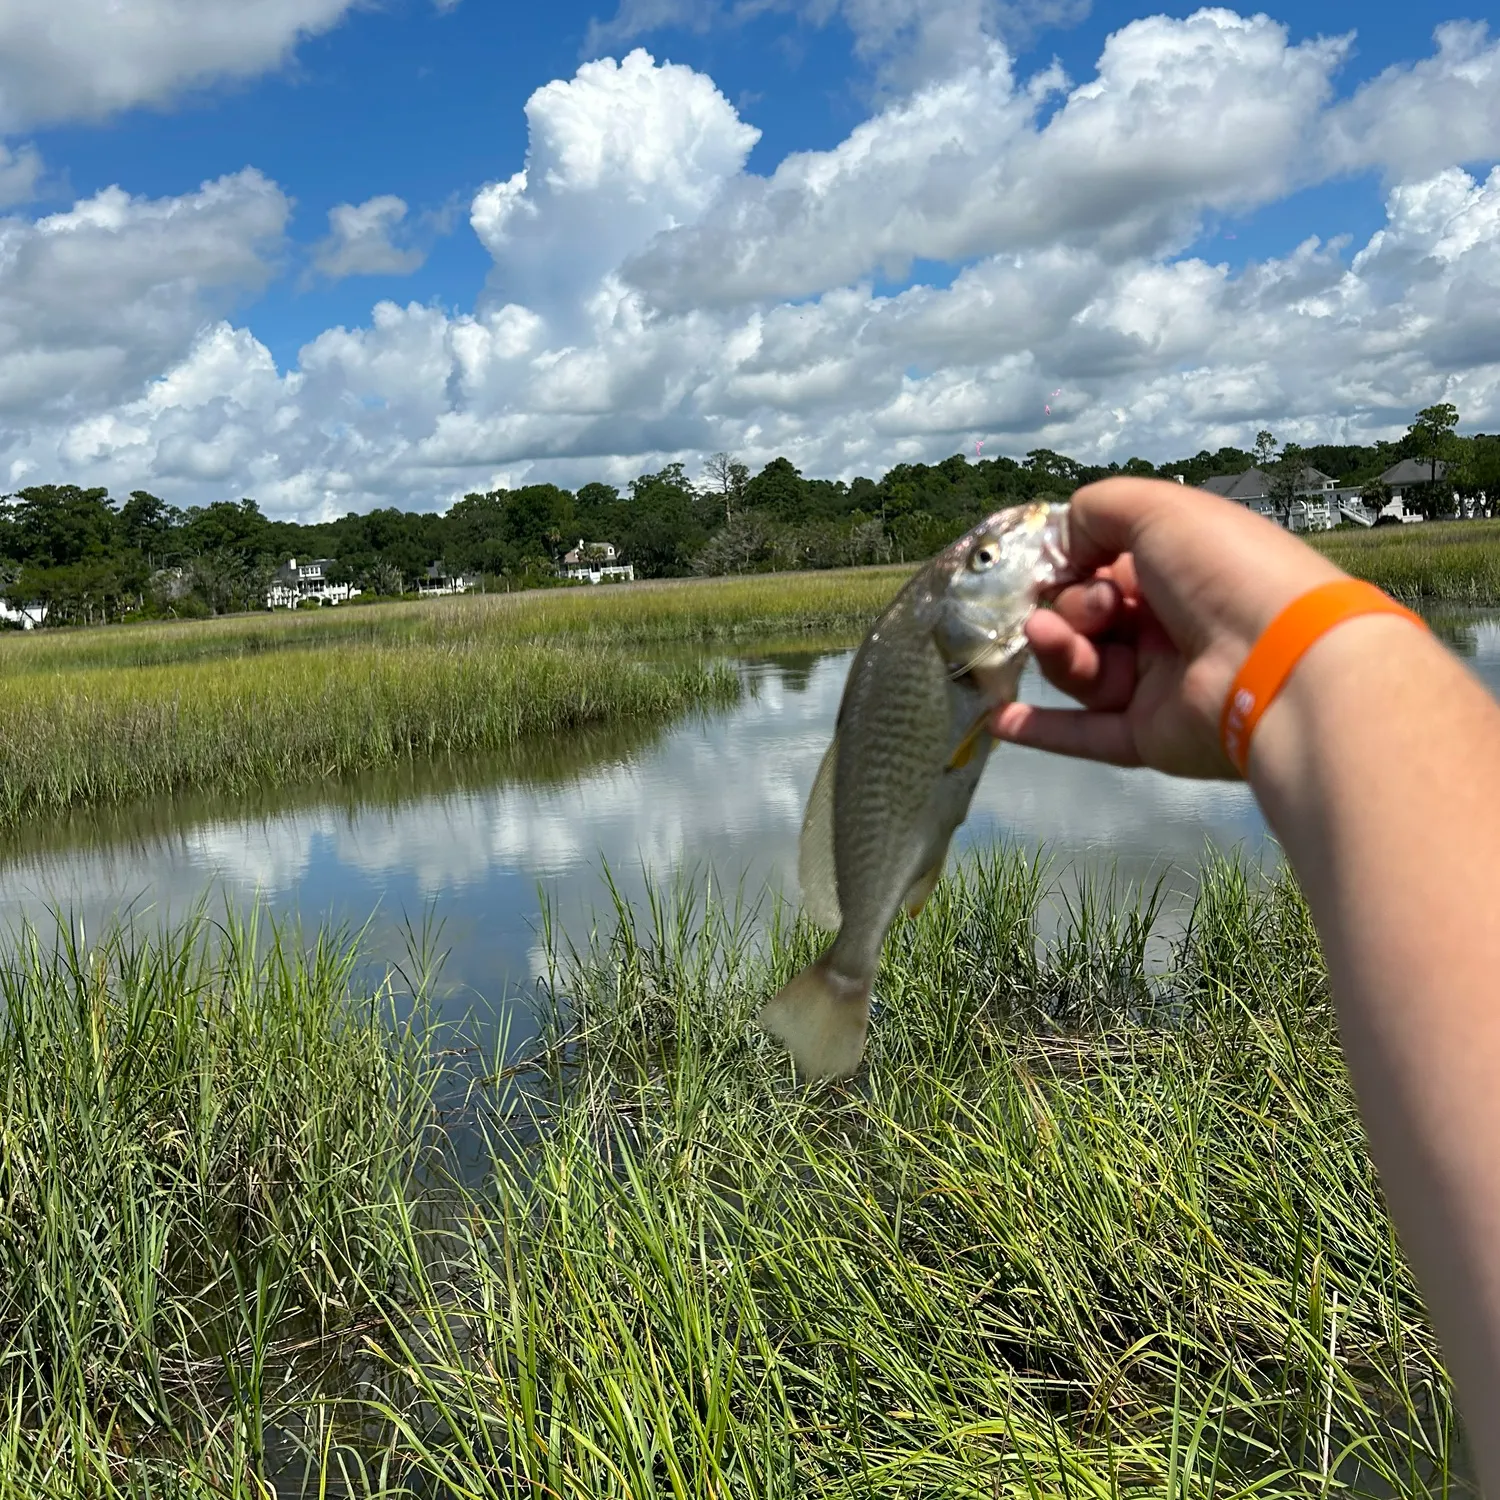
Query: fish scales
x=897 y=740
x=907 y=755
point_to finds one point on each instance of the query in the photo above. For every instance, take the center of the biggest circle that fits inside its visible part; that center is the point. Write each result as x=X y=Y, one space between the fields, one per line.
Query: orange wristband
x=1283 y=644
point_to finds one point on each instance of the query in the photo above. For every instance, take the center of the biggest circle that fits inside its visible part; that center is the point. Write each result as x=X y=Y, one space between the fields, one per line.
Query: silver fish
x=907 y=754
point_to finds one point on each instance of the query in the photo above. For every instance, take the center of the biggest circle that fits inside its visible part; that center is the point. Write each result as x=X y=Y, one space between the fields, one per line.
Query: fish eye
x=984 y=557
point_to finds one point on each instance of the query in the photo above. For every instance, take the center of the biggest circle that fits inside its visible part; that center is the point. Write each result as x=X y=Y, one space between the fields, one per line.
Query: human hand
x=1177 y=585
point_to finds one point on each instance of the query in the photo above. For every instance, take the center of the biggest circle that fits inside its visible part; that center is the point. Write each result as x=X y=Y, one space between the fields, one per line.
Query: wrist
x=1355 y=693
x=1276 y=654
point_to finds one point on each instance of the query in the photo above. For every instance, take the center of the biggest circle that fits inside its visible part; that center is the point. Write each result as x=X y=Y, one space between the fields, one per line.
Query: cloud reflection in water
x=722 y=794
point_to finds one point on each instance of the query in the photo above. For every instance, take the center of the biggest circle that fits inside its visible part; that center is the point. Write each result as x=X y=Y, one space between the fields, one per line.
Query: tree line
x=92 y=559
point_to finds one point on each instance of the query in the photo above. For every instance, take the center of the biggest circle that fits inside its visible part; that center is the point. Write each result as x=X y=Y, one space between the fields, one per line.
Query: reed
x=104 y=718
x=100 y=736
x=207 y=1139
x=634 y=615
x=1455 y=562
x=1079 y=1230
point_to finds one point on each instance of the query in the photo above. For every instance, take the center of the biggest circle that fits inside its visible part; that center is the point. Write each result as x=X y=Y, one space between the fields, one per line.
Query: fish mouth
x=1055 y=569
x=989 y=658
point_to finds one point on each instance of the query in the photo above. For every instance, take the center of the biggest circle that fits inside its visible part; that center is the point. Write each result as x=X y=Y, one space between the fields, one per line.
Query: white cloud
x=96 y=300
x=1211 y=112
x=361 y=241
x=619 y=153
x=20 y=172
x=638 y=308
x=1414 y=120
x=635 y=18
x=83 y=59
x=908 y=41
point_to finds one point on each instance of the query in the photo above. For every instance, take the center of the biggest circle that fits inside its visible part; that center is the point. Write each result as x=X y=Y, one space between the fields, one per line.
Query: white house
x=1409 y=475
x=438 y=580
x=307 y=580
x=595 y=561
x=1319 y=502
x=1315 y=502
x=27 y=616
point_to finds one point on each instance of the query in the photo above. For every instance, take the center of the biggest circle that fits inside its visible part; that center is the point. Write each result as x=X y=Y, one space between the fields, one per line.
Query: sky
x=335 y=255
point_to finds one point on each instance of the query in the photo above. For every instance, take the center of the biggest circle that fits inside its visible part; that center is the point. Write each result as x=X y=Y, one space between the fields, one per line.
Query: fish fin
x=924 y=885
x=967 y=745
x=816 y=874
x=821 y=1018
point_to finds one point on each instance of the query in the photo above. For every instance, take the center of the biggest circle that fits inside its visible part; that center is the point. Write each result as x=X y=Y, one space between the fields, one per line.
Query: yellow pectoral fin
x=922 y=887
x=967 y=745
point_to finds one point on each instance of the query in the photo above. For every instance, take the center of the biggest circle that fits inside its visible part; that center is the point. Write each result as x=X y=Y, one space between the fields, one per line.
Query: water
x=473 y=847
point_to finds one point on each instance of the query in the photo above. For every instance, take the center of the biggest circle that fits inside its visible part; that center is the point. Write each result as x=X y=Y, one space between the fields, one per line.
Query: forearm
x=1366 y=796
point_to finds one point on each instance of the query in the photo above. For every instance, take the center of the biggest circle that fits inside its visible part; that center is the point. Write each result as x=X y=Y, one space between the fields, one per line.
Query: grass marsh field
x=1093 y=1224
x=103 y=736
x=1450 y=562
x=618 y=615
x=108 y=717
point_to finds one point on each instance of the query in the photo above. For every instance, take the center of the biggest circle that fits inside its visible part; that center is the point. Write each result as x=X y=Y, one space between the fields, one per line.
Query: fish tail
x=821 y=1018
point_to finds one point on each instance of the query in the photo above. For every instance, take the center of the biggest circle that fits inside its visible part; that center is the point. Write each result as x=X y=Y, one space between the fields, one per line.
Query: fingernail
x=1101 y=595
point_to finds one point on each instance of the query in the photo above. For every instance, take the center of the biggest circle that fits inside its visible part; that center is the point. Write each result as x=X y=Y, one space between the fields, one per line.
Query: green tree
x=1286 y=480
x=537 y=521
x=1055 y=469
x=226 y=580
x=1431 y=437
x=145 y=524
x=92 y=591
x=408 y=540
x=1374 y=495
x=226 y=526
x=1483 y=470
x=901 y=492
x=727 y=478
x=1265 y=449
x=661 y=532
x=778 y=491
x=477 y=532
x=55 y=525
x=384 y=578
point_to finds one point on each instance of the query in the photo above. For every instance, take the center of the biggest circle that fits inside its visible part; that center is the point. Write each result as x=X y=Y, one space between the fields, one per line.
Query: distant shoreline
x=112 y=716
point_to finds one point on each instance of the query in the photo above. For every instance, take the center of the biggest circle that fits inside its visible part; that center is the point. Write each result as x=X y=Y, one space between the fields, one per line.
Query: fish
x=907 y=753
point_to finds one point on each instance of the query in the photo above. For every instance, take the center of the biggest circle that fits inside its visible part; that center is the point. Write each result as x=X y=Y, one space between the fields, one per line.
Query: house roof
x=1255 y=484
x=1412 y=471
x=1251 y=485
x=1313 y=479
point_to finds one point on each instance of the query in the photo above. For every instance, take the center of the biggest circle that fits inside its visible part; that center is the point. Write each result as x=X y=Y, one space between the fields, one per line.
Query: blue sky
x=428 y=104
x=677 y=293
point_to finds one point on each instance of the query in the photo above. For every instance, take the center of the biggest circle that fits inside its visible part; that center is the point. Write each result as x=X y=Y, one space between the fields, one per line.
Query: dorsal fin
x=815 y=869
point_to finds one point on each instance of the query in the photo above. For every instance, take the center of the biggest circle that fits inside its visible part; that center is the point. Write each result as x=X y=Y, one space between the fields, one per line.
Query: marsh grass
x=1078 y=1230
x=111 y=717
x=679 y=610
x=104 y=737
x=1455 y=562
x=532 y=762
x=208 y=1141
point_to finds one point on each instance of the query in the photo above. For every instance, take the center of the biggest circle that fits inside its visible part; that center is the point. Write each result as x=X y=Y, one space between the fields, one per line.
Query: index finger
x=1106 y=518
